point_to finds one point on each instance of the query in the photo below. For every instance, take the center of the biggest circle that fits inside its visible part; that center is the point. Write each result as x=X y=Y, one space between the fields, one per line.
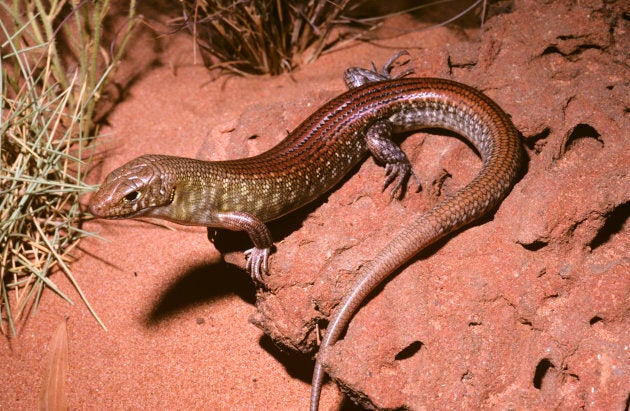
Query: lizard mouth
x=98 y=210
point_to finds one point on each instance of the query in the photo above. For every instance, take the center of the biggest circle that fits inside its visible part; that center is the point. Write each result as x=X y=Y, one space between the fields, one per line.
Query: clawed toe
x=257 y=263
x=399 y=174
x=388 y=67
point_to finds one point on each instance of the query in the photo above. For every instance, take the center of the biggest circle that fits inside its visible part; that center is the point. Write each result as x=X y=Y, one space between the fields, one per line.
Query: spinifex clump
x=53 y=72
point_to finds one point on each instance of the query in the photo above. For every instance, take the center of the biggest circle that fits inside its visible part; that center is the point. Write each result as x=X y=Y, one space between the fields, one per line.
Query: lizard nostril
x=95 y=209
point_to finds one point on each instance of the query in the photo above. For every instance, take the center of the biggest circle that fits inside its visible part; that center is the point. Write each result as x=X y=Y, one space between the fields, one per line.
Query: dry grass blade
x=52 y=395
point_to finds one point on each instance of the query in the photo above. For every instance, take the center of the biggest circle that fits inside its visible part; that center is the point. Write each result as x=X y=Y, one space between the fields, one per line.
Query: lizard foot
x=257 y=263
x=399 y=174
x=356 y=76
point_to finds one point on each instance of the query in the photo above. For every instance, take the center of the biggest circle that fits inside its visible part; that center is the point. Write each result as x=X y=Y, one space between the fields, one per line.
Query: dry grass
x=272 y=37
x=53 y=69
x=261 y=37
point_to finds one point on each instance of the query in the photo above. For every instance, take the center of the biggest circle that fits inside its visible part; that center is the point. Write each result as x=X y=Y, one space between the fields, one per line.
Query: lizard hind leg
x=397 y=166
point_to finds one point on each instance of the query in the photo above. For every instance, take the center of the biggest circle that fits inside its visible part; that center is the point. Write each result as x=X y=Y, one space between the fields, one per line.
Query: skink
x=244 y=194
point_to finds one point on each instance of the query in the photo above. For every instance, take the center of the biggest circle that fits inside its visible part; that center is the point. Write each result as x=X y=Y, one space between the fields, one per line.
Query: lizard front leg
x=258 y=256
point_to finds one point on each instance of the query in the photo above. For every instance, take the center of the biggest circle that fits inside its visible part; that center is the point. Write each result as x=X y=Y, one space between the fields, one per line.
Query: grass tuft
x=53 y=70
x=273 y=37
x=260 y=37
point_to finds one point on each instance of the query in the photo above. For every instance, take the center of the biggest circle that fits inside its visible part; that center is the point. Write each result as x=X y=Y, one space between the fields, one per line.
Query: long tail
x=498 y=143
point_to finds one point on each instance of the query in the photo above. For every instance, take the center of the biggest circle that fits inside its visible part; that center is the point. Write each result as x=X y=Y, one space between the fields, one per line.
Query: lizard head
x=133 y=190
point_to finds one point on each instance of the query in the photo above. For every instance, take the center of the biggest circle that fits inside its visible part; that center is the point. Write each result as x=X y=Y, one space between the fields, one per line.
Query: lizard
x=244 y=194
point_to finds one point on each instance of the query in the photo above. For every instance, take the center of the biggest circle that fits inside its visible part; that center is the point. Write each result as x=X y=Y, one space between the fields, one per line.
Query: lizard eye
x=133 y=196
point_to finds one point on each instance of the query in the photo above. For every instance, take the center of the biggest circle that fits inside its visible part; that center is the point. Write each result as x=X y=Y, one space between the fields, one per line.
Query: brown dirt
x=529 y=308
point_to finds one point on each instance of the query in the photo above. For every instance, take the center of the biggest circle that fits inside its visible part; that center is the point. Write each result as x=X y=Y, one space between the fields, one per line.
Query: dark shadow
x=534 y=246
x=296 y=364
x=409 y=351
x=536 y=142
x=582 y=131
x=201 y=285
x=300 y=366
x=541 y=371
x=613 y=225
x=449 y=12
